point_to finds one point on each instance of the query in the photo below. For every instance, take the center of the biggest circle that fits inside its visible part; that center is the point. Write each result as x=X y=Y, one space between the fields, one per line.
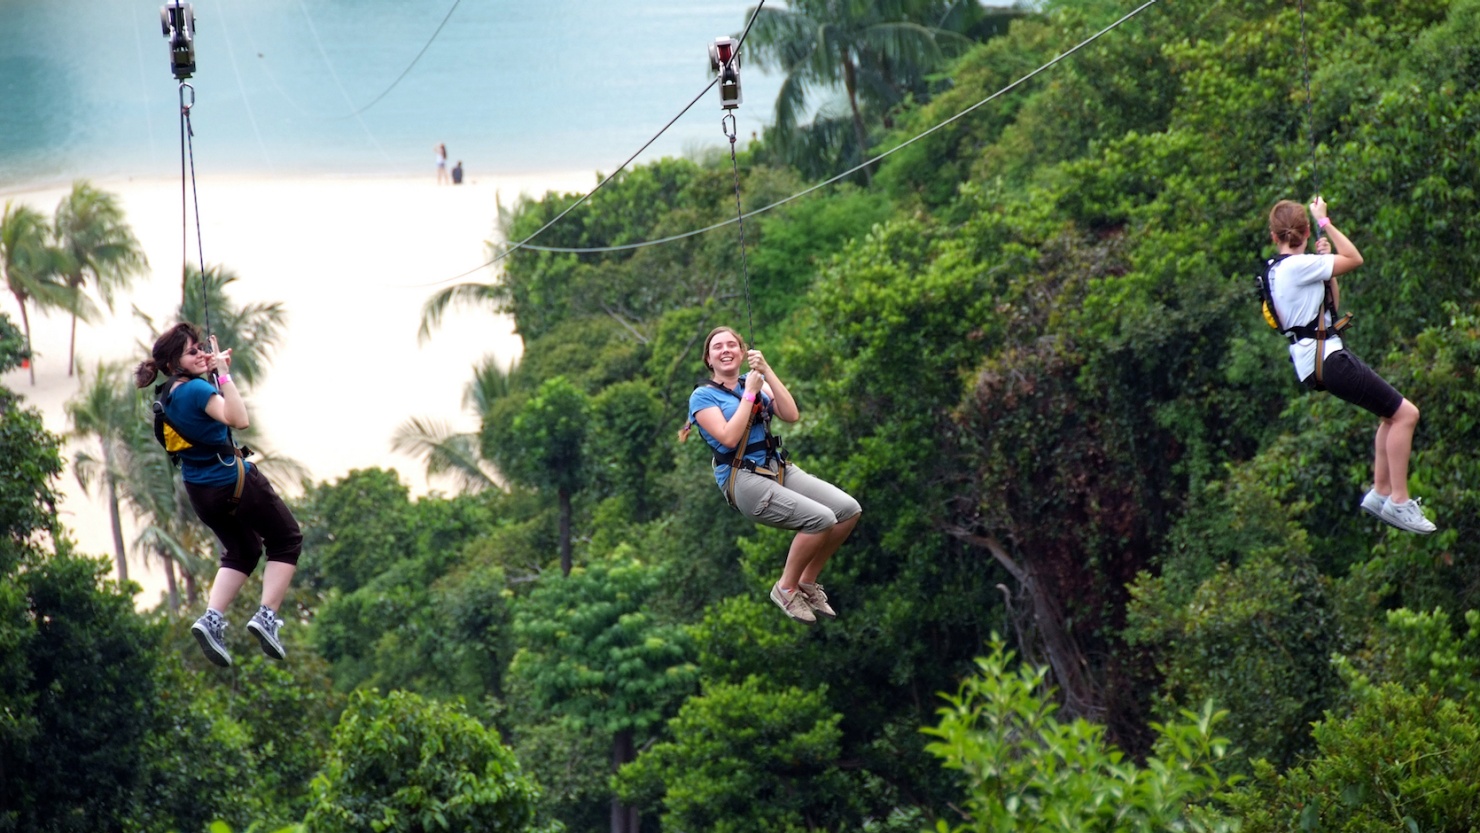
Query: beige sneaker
x=794 y=603
x=817 y=600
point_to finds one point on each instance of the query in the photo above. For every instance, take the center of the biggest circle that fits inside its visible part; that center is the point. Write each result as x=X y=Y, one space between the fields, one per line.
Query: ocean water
x=511 y=86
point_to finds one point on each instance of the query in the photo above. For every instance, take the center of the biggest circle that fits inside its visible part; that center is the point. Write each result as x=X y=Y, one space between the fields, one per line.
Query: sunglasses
x=197 y=350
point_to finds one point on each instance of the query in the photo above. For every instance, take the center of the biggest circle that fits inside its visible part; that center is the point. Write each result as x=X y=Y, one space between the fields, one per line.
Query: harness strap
x=217 y=450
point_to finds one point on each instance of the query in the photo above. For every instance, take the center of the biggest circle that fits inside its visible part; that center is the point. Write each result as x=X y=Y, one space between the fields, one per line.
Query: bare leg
x=275 y=581
x=1396 y=450
x=228 y=582
x=811 y=550
x=1381 y=478
x=836 y=536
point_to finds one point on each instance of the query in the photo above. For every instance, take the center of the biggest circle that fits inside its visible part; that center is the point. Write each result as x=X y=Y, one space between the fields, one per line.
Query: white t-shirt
x=1299 y=291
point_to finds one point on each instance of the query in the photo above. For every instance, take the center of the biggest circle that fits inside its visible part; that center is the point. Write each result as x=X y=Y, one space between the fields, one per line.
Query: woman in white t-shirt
x=1298 y=285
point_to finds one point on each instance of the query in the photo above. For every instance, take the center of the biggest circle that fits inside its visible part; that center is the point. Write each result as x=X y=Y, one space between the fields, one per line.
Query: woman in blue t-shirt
x=1299 y=286
x=769 y=490
x=230 y=495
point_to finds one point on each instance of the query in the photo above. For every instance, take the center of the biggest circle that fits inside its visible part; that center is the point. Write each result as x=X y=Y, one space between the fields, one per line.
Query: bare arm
x=782 y=402
x=1346 y=257
x=227 y=408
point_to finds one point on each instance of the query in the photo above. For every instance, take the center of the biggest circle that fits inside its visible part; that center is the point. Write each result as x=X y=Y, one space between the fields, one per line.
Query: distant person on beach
x=441 y=164
x=733 y=412
x=457 y=173
x=1304 y=293
x=230 y=495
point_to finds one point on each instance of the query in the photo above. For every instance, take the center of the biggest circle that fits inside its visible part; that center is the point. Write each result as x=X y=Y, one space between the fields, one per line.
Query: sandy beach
x=352 y=260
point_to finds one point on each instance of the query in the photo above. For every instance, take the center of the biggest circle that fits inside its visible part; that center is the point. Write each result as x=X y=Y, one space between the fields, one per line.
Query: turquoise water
x=511 y=86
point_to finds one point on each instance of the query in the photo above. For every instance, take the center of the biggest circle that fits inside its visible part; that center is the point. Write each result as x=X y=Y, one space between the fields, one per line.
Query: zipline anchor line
x=727 y=124
x=178 y=22
x=1310 y=111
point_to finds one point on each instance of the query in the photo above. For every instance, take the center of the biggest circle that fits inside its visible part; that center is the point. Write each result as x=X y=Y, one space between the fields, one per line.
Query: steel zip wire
x=408 y=68
x=844 y=175
x=740 y=218
x=523 y=244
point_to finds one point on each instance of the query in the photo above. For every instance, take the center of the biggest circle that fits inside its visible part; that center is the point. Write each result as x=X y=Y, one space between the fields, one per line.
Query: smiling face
x=194 y=359
x=723 y=352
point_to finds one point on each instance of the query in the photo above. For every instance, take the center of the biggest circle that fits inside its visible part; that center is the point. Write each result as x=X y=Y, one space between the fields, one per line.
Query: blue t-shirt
x=187 y=412
x=709 y=396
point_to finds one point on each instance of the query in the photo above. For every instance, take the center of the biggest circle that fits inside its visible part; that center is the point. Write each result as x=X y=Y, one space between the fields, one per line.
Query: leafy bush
x=1025 y=770
x=402 y=764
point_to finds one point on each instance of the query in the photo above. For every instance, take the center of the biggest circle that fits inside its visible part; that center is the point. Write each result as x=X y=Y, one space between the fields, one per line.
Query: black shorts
x=1349 y=379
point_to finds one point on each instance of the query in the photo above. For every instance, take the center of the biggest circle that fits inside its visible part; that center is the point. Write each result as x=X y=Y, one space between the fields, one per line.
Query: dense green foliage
x=1029 y=347
x=403 y=764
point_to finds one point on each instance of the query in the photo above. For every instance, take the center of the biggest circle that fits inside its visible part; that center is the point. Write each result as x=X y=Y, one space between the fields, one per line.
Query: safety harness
x=774 y=466
x=1316 y=329
x=181 y=447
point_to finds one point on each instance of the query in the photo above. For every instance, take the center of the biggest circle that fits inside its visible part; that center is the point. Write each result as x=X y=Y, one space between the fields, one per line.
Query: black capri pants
x=1350 y=379
x=261 y=518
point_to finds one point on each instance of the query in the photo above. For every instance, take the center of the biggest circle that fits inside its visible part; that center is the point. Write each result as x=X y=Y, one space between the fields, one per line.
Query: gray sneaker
x=210 y=631
x=1408 y=516
x=264 y=625
x=794 y=603
x=1372 y=504
x=817 y=600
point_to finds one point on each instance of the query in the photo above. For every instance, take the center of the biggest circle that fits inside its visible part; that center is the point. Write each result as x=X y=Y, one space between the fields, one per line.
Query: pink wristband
x=223 y=378
x=749 y=396
x=1323 y=222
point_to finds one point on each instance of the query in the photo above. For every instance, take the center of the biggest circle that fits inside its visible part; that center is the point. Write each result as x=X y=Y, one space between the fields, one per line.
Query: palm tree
x=253 y=331
x=99 y=246
x=29 y=266
x=458 y=454
x=877 y=50
x=105 y=411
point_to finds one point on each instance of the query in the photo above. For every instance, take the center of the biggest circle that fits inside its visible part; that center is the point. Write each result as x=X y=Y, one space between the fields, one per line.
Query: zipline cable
x=820 y=185
x=1310 y=110
x=728 y=125
x=423 y=51
x=187 y=146
x=524 y=243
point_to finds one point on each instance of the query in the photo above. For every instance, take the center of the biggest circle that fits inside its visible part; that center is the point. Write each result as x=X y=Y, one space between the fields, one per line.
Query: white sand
x=352 y=260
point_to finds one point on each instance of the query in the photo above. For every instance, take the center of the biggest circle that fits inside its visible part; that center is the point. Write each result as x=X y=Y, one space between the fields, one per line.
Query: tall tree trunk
x=624 y=818
x=113 y=519
x=174 y=587
x=564 y=495
x=850 y=83
x=192 y=590
x=26 y=324
x=72 y=346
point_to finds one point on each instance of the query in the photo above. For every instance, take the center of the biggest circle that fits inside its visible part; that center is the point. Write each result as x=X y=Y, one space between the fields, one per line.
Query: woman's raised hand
x=220 y=360
x=1318 y=208
x=758 y=362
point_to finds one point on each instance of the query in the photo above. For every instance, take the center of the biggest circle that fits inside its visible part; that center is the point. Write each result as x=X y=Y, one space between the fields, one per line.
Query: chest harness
x=181 y=447
x=774 y=466
x=1316 y=329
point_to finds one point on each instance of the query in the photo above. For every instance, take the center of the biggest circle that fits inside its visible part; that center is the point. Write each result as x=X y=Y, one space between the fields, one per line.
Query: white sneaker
x=1372 y=503
x=817 y=600
x=794 y=603
x=1407 y=516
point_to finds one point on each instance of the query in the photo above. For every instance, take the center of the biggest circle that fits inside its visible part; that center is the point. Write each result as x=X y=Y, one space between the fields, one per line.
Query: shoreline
x=352 y=260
